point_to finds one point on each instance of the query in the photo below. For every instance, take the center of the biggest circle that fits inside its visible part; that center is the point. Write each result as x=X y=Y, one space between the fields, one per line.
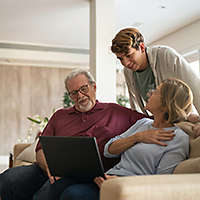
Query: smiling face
x=135 y=59
x=82 y=92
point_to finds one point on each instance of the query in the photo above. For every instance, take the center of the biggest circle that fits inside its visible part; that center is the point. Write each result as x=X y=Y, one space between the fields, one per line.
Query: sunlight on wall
x=195 y=67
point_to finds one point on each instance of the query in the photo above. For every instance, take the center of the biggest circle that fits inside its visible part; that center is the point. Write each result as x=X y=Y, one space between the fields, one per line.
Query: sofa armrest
x=18 y=148
x=155 y=187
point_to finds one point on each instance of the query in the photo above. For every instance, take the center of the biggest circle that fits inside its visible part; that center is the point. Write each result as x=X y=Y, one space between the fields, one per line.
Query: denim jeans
x=87 y=191
x=20 y=183
x=1 y=183
x=68 y=188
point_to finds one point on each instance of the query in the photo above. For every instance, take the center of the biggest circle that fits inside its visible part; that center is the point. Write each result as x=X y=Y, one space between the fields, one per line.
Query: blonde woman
x=146 y=67
x=170 y=103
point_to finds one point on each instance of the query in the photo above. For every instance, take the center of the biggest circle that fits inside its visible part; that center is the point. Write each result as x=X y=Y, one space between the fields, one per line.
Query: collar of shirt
x=98 y=106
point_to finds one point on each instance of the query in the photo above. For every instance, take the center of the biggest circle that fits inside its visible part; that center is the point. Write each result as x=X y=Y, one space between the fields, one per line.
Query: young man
x=145 y=67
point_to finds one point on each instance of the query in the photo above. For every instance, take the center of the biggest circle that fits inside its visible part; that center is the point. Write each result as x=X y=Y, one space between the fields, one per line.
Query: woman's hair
x=79 y=72
x=177 y=97
x=125 y=39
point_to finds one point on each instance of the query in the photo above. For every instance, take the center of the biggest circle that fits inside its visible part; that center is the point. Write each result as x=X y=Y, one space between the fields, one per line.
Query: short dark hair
x=125 y=39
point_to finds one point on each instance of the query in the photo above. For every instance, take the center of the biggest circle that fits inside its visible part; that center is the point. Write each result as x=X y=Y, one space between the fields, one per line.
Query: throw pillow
x=194 y=141
x=191 y=165
x=28 y=154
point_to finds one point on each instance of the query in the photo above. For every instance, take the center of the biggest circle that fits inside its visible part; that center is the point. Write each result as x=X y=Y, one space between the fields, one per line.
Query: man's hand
x=43 y=164
x=155 y=136
x=196 y=129
x=52 y=179
x=99 y=180
x=193 y=118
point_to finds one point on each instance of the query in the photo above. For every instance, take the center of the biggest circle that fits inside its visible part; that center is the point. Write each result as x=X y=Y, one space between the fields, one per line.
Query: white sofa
x=184 y=184
x=152 y=187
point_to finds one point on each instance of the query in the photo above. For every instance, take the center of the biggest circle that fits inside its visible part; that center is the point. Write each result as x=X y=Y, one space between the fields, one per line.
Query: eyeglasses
x=83 y=89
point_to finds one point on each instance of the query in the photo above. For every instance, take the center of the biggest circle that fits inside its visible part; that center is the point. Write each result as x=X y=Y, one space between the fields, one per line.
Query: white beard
x=86 y=108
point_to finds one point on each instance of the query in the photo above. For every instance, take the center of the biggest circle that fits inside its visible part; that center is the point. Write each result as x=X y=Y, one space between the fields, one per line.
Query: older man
x=87 y=117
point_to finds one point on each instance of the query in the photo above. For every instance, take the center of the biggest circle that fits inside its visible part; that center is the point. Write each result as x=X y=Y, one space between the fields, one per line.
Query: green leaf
x=67 y=102
x=122 y=100
x=34 y=120
x=46 y=119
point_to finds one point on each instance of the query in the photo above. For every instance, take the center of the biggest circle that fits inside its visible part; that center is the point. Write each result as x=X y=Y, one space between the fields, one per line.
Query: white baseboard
x=4 y=160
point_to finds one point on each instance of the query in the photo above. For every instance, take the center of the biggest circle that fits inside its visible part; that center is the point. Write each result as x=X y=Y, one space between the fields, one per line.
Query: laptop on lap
x=72 y=156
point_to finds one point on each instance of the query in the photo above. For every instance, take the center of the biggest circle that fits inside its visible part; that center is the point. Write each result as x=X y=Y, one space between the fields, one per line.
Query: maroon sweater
x=103 y=121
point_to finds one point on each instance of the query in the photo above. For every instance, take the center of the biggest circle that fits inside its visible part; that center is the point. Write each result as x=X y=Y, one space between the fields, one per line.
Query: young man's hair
x=125 y=39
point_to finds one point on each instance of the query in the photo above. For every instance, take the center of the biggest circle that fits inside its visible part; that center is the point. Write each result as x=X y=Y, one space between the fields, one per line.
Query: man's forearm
x=40 y=158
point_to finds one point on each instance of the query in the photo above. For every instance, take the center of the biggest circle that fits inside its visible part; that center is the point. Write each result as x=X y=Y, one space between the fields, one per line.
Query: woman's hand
x=155 y=136
x=99 y=180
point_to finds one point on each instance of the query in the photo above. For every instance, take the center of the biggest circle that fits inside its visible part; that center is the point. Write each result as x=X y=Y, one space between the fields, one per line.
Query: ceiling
x=65 y=23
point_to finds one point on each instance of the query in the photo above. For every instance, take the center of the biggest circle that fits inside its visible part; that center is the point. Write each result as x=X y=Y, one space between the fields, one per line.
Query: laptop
x=72 y=156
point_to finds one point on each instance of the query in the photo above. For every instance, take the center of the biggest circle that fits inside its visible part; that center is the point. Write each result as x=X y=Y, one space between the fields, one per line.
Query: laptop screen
x=72 y=156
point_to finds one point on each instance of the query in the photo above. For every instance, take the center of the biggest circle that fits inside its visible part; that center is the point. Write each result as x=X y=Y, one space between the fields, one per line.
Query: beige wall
x=26 y=91
x=183 y=40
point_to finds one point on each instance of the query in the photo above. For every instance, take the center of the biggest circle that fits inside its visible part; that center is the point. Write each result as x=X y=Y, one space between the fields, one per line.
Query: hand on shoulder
x=193 y=118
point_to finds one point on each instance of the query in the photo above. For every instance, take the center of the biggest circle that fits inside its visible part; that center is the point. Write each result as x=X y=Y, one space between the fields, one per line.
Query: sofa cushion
x=20 y=163
x=153 y=187
x=194 y=141
x=28 y=154
x=192 y=164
